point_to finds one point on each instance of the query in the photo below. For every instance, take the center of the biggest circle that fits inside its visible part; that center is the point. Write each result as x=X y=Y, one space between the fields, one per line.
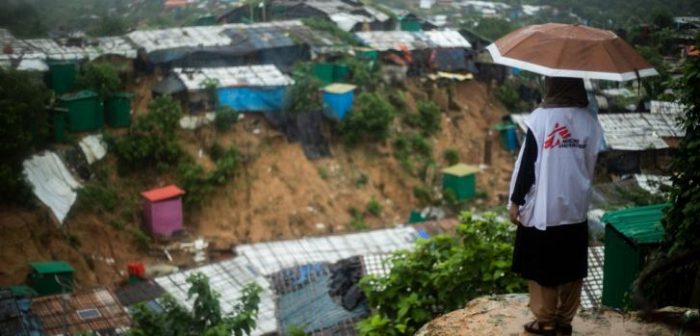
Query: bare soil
x=279 y=193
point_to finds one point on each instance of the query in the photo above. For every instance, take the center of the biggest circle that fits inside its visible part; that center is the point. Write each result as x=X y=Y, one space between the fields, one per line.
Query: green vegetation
x=369 y=120
x=141 y=239
x=331 y=27
x=24 y=122
x=304 y=95
x=451 y=156
x=206 y=317
x=412 y=148
x=199 y=183
x=374 y=208
x=151 y=142
x=489 y=28
x=225 y=118
x=365 y=75
x=427 y=119
x=440 y=275
x=98 y=196
x=679 y=284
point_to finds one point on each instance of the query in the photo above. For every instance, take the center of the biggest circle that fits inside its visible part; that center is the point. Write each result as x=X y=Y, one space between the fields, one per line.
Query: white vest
x=568 y=141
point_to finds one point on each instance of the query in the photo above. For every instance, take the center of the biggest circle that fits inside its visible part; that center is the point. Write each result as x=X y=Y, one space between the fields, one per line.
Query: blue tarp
x=248 y=99
x=338 y=103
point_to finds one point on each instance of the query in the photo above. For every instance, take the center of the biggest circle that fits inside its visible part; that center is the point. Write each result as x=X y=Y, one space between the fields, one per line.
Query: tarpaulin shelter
x=162 y=210
x=51 y=182
x=254 y=88
x=338 y=98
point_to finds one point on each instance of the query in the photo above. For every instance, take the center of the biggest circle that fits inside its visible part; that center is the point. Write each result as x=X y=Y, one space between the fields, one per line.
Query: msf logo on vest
x=560 y=137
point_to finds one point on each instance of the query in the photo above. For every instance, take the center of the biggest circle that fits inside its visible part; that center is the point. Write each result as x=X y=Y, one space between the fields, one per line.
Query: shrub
x=142 y=240
x=374 y=208
x=427 y=119
x=152 y=140
x=102 y=78
x=192 y=178
x=369 y=120
x=412 y=148
x=508 y=95
x=441 y=274
x=304 y=96
x=225 y=118
x=451 y=155
x=365 y=75
x=423 y=196
x=331 y=27
x=98 y=196
x=215 y=151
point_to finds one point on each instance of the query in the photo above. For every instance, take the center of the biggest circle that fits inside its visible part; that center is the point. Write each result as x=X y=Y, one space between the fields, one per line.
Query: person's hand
x=514 y=213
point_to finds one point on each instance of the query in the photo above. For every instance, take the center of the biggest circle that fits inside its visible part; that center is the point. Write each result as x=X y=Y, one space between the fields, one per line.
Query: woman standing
x=550 y=195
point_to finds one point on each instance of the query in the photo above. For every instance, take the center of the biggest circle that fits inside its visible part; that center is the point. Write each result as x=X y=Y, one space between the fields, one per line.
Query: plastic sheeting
x=305 y=128
x=252 y=99
x=93 y=147
x=52 y=183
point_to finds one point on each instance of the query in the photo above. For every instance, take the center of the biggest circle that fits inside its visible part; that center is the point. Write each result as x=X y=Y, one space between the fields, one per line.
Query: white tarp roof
x=239 y=76
x=658 y=106
x=200 y=37
x=51 y=182
x=255 y=261
x=93 y=147
x=275 y=256
x=652 y=183
x=94 y=48
x=394 y=40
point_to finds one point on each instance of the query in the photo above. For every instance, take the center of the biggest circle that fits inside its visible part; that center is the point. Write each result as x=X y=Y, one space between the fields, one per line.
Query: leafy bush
x=369 y=120
x=199 y=184
x=508 y=95
x=152 y=140
x=102 y=78
x=427 y=119
x=225 y=118
x=98 y=196
x=205 y=317
x=365 y=75
x=451 y=155
x=423 y=196
x=304 y=95
x=440 y=275
x=215 y=151
x=413 y=148
x=374 y=208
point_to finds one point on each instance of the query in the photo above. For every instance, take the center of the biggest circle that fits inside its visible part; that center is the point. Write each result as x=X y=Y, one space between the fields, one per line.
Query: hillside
x=277 y=194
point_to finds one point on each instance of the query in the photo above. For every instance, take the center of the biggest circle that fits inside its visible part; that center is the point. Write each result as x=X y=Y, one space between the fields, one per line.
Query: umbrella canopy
x=561 y=50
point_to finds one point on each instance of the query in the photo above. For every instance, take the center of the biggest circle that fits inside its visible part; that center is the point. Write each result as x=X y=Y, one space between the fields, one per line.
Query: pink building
x=162 y=209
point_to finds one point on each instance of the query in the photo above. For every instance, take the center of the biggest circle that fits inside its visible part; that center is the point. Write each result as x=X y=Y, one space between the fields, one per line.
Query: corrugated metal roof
x=395 y=40
x=592 y=291
x=240 y=76
x=658 y=106
x=339 y=88
x=642 y=225
x=93 y=48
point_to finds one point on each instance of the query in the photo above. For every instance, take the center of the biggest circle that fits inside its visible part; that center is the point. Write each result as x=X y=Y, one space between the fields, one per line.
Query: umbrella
x=561 y=50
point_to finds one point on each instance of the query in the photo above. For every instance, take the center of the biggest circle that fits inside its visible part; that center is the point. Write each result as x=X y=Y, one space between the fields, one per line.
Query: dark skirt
x=552 y=257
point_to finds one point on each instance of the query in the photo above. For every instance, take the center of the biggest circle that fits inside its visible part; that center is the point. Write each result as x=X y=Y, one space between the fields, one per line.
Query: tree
x=205 y=318
x=24 y=125
x=102 y=78
x=493 y=28
x=369 y=120
x=441 y=274
x=674 y=276
x=304 y=95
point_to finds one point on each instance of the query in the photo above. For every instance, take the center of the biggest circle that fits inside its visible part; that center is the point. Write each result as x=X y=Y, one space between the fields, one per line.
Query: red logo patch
x=555 y=138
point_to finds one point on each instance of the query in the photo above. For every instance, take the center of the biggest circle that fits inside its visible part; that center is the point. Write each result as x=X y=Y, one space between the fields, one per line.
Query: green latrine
x=118 y=109
x=324 y=72
x=59 y=117
x=461 y=180
x=61 y=76
x=51 y=277
x=84 y=111
x=410 y=23
x=630 y=235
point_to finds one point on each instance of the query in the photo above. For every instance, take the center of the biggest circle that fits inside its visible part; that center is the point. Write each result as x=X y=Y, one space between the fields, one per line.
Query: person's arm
x=526 y=174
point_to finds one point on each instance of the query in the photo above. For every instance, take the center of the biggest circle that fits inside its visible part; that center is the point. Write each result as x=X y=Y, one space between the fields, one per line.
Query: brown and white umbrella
x=561 y=50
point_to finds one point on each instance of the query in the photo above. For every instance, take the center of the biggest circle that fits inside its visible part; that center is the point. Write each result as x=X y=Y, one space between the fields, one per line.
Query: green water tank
x=84 y=111
x=118 y=110
x=410 y=24
x=461 y=179
x=51 y=277
x=61 y=76
x=341 y=72
x=630 y=236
